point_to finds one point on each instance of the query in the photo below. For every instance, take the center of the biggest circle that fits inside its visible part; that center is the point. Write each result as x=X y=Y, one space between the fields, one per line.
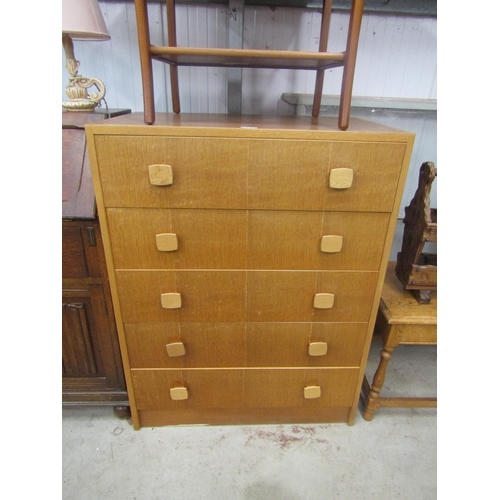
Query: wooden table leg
x=372 y=394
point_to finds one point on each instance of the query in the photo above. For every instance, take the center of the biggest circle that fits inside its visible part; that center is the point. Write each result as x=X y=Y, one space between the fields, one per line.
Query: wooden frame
x=186 y=56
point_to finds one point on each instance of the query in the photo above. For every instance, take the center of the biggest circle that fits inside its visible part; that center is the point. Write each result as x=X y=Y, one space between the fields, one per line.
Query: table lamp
x=81 y=20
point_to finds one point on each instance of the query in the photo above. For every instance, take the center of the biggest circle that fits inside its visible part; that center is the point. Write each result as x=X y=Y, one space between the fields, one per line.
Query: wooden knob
x=160 y=175
x=176 y=349
x=171 y=300
x=324 y=300
x=166 y=242
x=318 y=348
x=341 y=178
x=331 y=243
x=312 y=392
x=178 y=393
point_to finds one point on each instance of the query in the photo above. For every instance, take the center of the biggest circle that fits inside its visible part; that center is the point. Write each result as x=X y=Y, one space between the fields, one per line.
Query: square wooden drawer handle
x=331 y=243
x=171 y=300
x=318 y=348
x=160 y=175
x=341 y=178
x=166 y=242
x=176 y=349
x=178 y=393
x=312 y=392
x=324 y=300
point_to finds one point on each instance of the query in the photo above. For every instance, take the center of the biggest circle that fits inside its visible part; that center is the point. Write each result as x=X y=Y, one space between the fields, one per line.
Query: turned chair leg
x=372 y=404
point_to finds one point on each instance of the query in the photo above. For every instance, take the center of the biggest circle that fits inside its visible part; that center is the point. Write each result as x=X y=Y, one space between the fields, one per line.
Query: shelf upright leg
x=172 y=42
x=350 y=62
x=323 y=46
x=146 y=64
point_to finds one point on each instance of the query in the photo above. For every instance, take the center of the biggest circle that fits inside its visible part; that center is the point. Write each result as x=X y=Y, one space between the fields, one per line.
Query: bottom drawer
x=244 y=388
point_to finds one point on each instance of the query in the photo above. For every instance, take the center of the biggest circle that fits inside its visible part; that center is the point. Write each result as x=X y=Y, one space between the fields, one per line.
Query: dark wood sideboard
x=92 y=371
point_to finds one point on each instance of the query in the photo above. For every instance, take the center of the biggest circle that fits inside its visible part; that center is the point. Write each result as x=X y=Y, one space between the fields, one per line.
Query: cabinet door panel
x=78 y=341
x=89 y=354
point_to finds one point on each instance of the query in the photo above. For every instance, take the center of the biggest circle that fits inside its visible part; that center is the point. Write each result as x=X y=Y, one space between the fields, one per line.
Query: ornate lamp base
x=76 y=90
x=80 y=100
x=80 y=105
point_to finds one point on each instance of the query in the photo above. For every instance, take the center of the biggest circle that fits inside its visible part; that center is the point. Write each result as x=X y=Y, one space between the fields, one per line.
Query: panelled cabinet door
x=91 y=364
x=87 y=351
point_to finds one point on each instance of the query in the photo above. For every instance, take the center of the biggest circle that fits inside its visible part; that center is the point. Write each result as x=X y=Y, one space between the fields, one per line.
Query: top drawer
x=249 y=173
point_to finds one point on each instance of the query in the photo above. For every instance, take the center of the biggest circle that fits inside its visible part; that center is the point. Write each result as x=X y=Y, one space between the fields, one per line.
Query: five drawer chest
x=246 y=257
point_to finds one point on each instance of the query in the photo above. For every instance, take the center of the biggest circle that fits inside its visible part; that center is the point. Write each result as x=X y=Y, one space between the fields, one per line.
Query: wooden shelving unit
x=244 y=58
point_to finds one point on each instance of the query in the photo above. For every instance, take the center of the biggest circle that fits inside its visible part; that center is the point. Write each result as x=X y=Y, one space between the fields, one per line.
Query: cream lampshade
x=81 y=20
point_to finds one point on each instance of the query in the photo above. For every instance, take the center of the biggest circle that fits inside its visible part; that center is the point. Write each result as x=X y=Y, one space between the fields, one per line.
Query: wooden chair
x=416 y=269
x=186 y=56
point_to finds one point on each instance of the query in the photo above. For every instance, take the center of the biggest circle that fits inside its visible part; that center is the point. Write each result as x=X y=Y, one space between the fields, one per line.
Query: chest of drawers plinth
x=246 y=257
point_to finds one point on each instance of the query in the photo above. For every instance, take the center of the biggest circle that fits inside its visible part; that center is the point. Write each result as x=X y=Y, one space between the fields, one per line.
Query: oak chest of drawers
x=246 y=258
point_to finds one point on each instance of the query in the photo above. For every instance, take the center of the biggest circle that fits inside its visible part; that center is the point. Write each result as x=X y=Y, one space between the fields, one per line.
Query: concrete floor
x=391 y=457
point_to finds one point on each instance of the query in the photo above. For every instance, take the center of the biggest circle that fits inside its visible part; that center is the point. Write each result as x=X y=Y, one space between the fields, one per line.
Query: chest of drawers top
x=247 y=162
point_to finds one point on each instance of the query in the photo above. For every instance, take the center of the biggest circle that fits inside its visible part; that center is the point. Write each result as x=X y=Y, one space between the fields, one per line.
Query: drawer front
x=237 y=388
x=240 y=239
x=206 y=173
x=206 y=296
x=299 y=240
x=294 y=175
x=239 y=296
x=206 y=239
x=248 y=173
x=275 y=296
x=213 y=345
